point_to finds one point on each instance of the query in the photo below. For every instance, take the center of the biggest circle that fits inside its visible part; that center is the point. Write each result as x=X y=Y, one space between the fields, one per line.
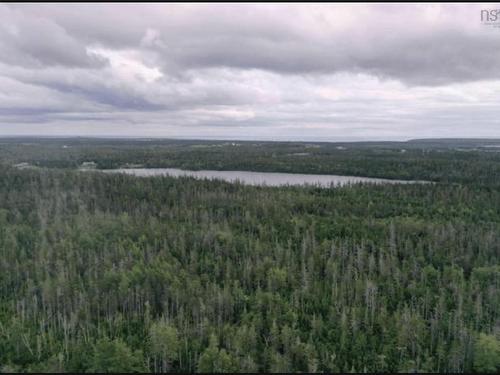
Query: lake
x=260 y=178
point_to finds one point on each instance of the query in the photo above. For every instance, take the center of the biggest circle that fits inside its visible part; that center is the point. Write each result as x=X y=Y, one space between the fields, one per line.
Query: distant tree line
x=446 y=161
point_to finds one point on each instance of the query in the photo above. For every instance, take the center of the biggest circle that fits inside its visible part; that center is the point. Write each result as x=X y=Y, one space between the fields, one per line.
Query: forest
x=115 y=273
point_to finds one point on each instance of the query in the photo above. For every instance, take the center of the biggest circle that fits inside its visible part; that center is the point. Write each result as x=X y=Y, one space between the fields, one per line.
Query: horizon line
x=243 y=139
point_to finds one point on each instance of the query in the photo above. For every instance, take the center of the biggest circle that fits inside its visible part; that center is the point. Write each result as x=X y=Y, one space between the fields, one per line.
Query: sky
x=250 y=71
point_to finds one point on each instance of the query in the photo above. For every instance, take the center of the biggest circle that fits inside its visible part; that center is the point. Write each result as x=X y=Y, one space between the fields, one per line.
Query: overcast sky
x=325 y=72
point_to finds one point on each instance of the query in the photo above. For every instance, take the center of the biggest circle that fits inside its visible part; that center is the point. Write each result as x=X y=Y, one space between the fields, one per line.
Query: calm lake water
x=260 y=178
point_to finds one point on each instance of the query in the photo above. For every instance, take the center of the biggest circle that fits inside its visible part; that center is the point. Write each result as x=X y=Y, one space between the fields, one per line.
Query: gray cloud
x=426 y=45
x=32 y=41
x=267 y=70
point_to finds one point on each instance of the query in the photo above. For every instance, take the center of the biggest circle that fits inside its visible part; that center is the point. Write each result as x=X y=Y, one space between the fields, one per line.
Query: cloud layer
x=249 y=71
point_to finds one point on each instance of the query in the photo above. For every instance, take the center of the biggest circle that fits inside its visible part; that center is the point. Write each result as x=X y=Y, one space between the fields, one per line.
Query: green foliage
x=115 y=356
x=164 y=345
x=214 y=359
x=106 y=272
x=487 y=354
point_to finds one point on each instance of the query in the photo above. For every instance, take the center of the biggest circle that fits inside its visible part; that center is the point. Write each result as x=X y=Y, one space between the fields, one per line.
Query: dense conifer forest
x=114 y=273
